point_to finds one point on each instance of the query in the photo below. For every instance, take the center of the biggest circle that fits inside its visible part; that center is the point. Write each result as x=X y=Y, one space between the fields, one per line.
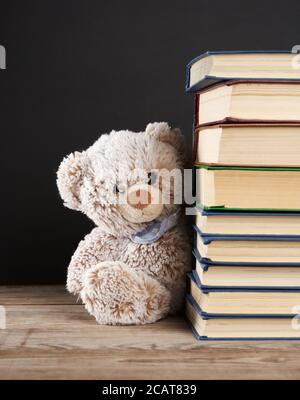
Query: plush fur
x=118 y=280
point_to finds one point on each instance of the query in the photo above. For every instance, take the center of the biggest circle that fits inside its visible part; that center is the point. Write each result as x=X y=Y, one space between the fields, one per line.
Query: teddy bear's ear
x=70 y=177
x=162 y=131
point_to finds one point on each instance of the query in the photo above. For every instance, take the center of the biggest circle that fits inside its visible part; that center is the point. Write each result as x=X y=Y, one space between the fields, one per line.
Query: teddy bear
x=130 y=269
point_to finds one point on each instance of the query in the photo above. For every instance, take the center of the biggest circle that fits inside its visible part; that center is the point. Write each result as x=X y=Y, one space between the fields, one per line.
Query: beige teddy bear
x=131 y=268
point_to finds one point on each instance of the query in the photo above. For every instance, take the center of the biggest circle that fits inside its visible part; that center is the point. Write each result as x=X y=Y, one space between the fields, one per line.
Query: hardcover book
x=246 y=188
x=248 y=249
x=267 y=145
x=220 y=222
x=243 y=328
x=207 y=263
x=242 y=101
x=213 y=67
x=235 y=275
x=243 y=301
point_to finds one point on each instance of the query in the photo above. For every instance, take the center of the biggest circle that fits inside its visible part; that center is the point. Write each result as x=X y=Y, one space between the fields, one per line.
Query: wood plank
x=206 y=362
x=171 y=333
x=64 y=317
x=48 y=338
x=161 y=350
x=42 y=294
x=48 y=317
x=88 y=334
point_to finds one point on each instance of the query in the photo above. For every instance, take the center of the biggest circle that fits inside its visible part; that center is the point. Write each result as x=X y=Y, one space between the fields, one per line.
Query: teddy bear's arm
x=166 y=260
x=96 y=246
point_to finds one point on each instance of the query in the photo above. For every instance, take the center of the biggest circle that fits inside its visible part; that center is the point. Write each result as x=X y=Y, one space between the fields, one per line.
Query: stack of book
x=246 y=281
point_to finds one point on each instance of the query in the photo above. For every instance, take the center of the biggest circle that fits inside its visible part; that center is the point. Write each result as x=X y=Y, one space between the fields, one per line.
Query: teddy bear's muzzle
x=141 y=203
x=139 y=198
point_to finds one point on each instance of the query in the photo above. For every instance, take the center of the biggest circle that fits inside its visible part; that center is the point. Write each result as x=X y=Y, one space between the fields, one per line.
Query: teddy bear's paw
x=117 y=295
x=74 y=285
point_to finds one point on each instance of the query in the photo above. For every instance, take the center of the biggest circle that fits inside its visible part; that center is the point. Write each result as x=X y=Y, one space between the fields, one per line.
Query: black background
x=76 y=69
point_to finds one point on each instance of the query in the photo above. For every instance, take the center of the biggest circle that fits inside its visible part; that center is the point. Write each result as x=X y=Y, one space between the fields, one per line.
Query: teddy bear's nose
x=139 y=198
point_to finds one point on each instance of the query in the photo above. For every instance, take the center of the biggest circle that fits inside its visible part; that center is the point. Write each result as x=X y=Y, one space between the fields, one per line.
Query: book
x=246 y=188
x=216 y=66
x=238 y=302
x=242 y=101
x=221 y=327
x=259 y=249
x=247 y=223
x=249 y=145
x=265 y=275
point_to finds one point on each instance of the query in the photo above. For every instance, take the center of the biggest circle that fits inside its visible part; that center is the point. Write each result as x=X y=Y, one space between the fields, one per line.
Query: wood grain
x=42 y=294
x=50 y=337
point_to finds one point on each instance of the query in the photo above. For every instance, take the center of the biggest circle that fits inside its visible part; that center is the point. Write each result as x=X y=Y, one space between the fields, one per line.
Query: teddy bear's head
x=125 y=179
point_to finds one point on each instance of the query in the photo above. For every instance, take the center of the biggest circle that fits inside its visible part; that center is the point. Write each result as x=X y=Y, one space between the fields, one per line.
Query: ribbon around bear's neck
x=156 y=230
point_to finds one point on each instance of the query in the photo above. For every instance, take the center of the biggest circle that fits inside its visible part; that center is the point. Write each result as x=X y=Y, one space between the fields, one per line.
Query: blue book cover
x=209 y=80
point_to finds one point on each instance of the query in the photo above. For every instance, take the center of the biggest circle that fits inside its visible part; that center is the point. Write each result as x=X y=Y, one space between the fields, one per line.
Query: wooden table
x=49 y=336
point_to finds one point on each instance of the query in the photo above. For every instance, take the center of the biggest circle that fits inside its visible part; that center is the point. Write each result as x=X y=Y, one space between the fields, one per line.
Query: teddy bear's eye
x=151 y=178
x=116 y=189
x=119 y=189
